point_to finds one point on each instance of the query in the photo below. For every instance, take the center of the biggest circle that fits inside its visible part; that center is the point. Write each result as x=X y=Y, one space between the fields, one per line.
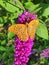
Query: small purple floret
x=45 y=53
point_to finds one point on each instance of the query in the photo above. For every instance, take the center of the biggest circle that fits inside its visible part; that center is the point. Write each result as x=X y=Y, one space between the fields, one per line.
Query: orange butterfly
x=23 y=31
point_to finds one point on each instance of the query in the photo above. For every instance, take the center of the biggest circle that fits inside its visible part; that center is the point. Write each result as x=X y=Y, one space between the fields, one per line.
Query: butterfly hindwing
x=20 y=30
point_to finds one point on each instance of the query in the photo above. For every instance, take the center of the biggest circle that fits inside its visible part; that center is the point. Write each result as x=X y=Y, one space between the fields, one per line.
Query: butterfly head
x=27 y=24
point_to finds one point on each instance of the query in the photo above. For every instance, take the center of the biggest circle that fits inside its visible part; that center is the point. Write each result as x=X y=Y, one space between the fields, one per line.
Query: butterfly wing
x=32 y=26
x=20 y=30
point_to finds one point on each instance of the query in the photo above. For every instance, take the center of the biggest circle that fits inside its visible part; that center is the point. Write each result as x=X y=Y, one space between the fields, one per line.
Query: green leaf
x=8 y=6
x=41 y=9
x=3 y=20
x=44 y=9
x=4 y=55
x=42 y=31
x=31 y=6
x=1 y=25
x=3 y=42
x=19 y=4
x=10 y=35
x=15 y=15
x=47 y=1
x=2 y=48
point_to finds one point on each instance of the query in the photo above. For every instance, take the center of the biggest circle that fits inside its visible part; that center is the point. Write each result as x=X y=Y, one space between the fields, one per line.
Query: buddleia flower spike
x=25 y=30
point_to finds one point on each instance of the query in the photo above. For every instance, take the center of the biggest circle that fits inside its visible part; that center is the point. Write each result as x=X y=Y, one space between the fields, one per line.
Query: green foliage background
x=9 y=11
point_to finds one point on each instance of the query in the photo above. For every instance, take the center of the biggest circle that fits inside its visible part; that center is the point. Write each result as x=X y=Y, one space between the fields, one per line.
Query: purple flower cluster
x=22 y=51
x=23 y=48
x=26 y=17
x=45 y=53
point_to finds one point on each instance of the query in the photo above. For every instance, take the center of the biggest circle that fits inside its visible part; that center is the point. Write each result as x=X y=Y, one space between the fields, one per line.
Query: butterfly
x=23 y=31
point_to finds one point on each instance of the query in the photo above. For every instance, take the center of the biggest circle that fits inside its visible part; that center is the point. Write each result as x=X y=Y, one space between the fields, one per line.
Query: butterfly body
x=23 y=31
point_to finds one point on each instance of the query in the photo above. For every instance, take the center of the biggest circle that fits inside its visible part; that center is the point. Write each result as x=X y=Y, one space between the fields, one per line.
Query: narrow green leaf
x=42 y=31
x=31 y=6
x=8 y=6
x=4 y=55
x=3 y=42
x=41 y=9
x=2 y=48
x=44 y=10
x=18 y=4
x=10 y=35
x=15 y=15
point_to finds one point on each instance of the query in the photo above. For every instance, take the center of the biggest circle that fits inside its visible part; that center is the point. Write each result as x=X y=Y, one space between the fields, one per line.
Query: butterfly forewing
x=32 y=28
x=20 y=30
